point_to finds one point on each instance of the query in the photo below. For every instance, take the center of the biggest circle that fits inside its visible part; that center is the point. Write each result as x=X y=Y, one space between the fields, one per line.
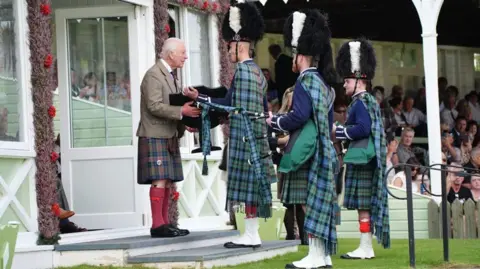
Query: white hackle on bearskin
x=297 y=26
x=355 y=55
x=235 y=19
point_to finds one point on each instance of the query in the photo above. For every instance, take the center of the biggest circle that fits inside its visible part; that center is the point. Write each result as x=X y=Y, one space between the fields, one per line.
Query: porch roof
x=395 y=21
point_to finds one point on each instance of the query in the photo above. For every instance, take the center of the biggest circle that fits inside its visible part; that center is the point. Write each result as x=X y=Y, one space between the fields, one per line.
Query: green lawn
x=429 y=254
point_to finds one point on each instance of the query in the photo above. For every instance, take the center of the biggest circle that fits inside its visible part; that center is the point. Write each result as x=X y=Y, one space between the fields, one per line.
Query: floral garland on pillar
x=162 y=29
x=40 y=40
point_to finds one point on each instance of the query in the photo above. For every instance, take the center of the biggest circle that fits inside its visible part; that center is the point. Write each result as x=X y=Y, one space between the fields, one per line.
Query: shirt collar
x=246 y=60
x=166 y=65
x=308 y=69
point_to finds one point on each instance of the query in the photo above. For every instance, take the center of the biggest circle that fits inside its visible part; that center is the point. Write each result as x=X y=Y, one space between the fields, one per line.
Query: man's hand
x=283 y=140
x=190 y=92
x=190 y=111
x=269 y=119
x=192 y=130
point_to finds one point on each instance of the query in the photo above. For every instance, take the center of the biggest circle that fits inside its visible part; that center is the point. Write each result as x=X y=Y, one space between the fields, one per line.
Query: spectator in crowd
x=90 y=92
x=272 y=92
x=391 y=154
x=406 y=151
x=400 y=180
x=449 y=113
x=475 y=180
x=472 y=128
x=452 y=153
x=396 y=105
x=465 y=148
x=421 y=98
x=389 y=122
x=455 y=189
x=472 y=101
x=413 y=117
x=284 y=76
x=472 y=167
x=459 y=129
x=397 y=92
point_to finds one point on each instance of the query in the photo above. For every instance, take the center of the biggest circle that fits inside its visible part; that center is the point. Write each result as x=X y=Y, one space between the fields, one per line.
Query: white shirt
x=448 y=116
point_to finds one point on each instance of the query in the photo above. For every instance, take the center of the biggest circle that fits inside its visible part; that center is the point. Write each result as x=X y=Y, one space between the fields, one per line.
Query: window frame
x=24 y=147
x=217 y=136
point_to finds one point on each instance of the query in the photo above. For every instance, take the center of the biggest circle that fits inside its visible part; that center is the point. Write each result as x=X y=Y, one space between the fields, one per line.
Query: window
x=199 y=56
x=402 y=57
x=10 y=74
x=476 y=61
x=99 y=68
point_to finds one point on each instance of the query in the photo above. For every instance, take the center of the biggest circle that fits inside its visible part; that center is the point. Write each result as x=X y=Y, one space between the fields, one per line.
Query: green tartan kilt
x=358 y=187
x=294 y=189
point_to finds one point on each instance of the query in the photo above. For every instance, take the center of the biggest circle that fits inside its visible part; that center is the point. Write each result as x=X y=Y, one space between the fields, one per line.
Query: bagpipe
x=216 y=116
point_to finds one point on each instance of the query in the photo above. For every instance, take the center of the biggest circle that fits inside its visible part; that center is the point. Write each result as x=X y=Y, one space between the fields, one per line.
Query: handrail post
x=445 y=223
x=411 y=228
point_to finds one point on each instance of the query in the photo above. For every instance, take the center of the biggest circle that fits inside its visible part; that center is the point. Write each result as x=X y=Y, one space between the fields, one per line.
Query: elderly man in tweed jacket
x=159 y=161
x=242 y=27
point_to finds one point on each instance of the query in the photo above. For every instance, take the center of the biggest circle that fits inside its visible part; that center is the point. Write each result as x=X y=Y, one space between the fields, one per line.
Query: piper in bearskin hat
x=309 y=181
x=365 y=188
x=242 y=27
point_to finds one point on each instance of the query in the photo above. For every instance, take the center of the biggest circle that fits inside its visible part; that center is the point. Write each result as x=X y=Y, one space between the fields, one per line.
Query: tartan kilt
x=358 y=186
x=156 y=161
x=294 y=189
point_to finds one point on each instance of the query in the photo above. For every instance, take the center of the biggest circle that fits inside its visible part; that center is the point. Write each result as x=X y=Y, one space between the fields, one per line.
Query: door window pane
x=100 y=103
x=10 y=87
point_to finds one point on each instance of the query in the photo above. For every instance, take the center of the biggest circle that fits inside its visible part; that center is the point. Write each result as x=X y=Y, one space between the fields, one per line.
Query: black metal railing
x=408 y=175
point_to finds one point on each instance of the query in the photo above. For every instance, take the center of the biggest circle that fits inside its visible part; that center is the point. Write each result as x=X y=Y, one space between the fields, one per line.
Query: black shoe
x=233 y=245
x=182 y=232
x=164 y=231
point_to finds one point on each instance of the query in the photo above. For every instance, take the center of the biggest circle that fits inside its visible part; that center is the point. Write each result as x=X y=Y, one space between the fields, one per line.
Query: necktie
x=174 y=76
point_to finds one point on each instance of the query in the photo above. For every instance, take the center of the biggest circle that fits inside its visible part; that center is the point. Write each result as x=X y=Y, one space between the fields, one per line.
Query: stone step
x=115 y=251
x=217 y=255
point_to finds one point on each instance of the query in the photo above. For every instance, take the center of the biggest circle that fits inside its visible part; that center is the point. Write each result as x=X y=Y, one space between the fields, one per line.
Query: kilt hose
x=294 y=188
x=158 y=158
x=358 y=186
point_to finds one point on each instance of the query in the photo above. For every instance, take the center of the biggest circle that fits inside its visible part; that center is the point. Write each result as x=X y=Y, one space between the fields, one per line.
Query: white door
x=99 y=67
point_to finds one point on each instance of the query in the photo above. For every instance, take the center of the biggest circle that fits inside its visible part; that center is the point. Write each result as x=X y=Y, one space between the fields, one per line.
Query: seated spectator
x=272 y=91
x=452 y=153
x=472 y=101
x=391 y=154
x=454 y=188
x=472 y=167
x=389 y=122
x=459 y=129
x=91 y=91
x=449 y=113
x=406 y=151
x=472 y=128
x=413 y=117
x=475 y=181
x=4 y=126
x=400 y=180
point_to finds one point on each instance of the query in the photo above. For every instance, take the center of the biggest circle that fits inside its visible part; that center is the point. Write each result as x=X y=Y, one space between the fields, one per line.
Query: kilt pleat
x=157 y=160
x=358 y=187
x=294 y=189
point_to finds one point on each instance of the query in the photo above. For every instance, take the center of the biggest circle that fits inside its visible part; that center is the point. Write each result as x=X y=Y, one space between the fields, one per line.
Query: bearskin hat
x=243 y=22
x=356 y=59
x=307 y=32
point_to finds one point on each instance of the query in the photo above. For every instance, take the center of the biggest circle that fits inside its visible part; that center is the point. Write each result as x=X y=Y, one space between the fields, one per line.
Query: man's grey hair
x=170 y=45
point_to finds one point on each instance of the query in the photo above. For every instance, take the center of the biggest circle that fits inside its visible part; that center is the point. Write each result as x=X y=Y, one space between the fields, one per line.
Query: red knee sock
x=250 y=211
x=365 y=226
x=156 y=201
x=166 y=205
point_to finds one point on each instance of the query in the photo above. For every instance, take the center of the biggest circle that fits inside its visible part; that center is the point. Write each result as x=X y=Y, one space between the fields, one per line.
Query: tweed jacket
x=158 y=119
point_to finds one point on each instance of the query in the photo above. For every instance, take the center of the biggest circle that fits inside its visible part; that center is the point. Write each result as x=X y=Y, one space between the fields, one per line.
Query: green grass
x=429 y=254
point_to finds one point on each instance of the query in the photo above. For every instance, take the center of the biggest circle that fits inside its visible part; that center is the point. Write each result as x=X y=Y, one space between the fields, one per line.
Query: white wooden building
x=115 y=39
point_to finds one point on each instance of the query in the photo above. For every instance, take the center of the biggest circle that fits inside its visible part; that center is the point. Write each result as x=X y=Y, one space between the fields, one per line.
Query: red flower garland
x=52 y=111
x=45 y=9
x=205 y=5
x=48 y=61
x=54 y=156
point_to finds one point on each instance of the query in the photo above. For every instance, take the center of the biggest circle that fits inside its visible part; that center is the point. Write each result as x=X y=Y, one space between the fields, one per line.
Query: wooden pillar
x=428 y=11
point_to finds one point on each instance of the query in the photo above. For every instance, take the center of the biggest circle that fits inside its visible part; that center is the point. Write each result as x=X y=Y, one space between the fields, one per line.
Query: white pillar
x=428 y=11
